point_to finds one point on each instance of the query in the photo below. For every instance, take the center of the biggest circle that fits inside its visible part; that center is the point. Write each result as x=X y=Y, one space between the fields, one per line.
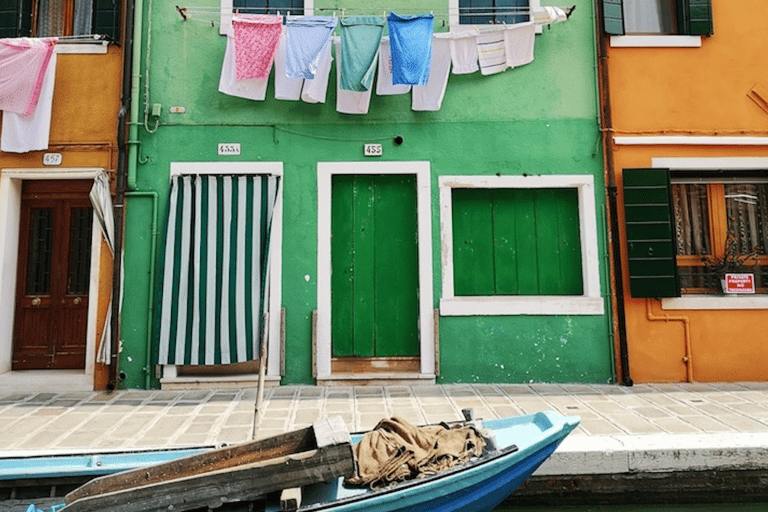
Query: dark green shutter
x=613 y=17
x=650 y=228
x=15 y=18
x=106 y=18
x=695 y=17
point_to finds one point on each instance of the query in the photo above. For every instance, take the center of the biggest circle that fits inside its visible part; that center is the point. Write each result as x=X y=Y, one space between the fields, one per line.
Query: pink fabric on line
x=23 y=62
x=256 y=38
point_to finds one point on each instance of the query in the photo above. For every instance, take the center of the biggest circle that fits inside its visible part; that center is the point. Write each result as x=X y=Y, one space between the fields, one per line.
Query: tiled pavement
x=141 y=419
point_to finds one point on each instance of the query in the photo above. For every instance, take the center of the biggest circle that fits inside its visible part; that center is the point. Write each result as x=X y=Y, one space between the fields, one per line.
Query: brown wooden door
x=53 y=275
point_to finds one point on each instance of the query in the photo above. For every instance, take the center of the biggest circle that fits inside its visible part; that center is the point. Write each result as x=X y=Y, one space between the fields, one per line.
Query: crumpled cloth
x=395 y=450
x=23 y=63
x=256 y=38
x=306 y=39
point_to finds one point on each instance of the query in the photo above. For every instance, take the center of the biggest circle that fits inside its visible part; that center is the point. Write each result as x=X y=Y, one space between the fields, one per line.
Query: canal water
x=709 y=507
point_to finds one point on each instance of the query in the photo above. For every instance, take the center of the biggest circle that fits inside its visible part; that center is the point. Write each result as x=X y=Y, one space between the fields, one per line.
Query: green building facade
x=464 y=245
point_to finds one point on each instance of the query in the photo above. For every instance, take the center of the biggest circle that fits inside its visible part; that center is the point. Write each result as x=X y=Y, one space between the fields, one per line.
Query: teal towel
x=360 y=38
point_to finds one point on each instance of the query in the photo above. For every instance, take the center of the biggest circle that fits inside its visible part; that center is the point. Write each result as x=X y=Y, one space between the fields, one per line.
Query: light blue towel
x=360 y=38
x=305 y=38
x=410 y=41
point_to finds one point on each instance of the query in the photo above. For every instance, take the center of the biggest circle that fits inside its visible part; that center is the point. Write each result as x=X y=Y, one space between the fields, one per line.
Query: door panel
x=53 y=276
x=374 y=310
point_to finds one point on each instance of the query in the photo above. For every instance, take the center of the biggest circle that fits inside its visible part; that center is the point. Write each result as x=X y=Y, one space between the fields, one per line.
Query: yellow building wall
x=692 y=92
x=86 y=103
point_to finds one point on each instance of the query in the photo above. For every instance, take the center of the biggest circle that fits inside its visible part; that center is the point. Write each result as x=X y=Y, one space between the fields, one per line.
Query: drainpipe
x=122 y=161
x=688 y=358
x=606 y=129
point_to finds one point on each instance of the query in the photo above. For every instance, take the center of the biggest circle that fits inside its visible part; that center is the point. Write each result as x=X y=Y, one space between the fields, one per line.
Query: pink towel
x=23 y=62
x=256 y=38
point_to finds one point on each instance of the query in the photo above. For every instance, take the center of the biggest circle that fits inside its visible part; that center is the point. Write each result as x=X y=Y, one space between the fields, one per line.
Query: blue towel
x=305 y=38
x=360 y=38
x=410 y=41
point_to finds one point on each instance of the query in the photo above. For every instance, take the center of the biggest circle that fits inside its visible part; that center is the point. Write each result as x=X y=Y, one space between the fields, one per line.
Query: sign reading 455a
x=229 y=148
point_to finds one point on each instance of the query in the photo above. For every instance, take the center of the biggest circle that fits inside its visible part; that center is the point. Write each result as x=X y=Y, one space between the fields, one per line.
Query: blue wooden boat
x=522 y=444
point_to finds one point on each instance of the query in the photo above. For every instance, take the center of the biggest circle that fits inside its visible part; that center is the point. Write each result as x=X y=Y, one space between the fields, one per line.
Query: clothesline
x=464 y=11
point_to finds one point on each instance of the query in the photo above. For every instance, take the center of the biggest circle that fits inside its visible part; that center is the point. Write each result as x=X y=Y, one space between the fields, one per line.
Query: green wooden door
x=374 y=260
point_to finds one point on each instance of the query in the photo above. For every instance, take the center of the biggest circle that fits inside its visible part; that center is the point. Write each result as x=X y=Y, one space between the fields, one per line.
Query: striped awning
x=215 y=281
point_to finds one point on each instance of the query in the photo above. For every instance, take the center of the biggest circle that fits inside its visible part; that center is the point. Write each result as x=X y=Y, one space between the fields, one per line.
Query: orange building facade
x=685 y=116
x=56 y=263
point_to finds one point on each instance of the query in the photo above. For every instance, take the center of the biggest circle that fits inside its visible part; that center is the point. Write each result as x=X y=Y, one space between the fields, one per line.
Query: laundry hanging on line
x=408 y=56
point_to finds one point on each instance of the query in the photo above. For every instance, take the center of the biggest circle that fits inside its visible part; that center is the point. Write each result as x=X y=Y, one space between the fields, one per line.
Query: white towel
x=491 y=50
x=430 y=97
x=518 y=41
x=285 y=88
x=349 y=102
x=315 y=90
x=384 y=86
x=464 y=52
x=251 y=89
x=30 y=133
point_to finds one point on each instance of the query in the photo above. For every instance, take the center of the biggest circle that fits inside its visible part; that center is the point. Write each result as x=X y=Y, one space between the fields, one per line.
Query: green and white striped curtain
x=215 y=283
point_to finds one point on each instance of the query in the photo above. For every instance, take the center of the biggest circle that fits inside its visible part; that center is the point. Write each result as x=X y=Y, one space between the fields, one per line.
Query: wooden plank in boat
x=212 y=489
x=222 y=458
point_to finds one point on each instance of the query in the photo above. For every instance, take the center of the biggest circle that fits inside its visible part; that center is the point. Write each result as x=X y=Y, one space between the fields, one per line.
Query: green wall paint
x=537 y=119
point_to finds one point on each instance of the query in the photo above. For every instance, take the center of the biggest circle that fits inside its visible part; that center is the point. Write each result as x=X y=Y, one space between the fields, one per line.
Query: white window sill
x=745 y=301
x=655 y=41
x=522 y=305
x=96 y=48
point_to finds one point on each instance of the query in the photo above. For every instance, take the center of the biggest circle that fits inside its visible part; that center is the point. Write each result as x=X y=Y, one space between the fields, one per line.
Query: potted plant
x=731 y=262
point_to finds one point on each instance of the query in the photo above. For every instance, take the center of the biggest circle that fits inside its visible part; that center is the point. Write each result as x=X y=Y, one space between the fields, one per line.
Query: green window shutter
x=613 y=17
x=516 y=242
x=106 y=18
x=15 y=18
x=650 y=228
x=695 y=17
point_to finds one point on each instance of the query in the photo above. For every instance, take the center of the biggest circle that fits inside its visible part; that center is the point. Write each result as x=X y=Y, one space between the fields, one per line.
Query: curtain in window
x=650 y=16
x=82 y=22
x=50 y=19
x=215 y=274
x=747 y=209
x=691 y=219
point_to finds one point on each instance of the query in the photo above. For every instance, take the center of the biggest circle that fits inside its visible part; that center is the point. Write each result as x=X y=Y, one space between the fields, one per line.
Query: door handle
x=36 y=301
x=77 y=300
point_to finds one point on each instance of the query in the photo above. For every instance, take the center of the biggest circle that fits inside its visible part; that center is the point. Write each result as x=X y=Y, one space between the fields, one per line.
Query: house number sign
x=52 y=159
x=372 y=150
x=229 y=148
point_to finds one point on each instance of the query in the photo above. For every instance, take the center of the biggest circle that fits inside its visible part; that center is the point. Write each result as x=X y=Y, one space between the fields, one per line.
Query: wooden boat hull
x=478 y=486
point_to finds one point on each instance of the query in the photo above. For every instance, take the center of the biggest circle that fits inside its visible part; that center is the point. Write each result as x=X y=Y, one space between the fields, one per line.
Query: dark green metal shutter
x=650 y=228
x=695 y=17
x=106 y=18
x=15 y=18
x=613 y=17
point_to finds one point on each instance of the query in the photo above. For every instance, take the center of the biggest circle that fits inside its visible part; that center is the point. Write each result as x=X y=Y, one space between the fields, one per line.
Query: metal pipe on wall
x=688 y=358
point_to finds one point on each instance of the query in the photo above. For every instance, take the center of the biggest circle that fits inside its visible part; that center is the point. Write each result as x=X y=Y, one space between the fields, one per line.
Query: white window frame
x=712 y=302
x=275 y=257
x=227 y=6
x=325 y=173
x=453 y=14
x=656 y=41
x=589 y=303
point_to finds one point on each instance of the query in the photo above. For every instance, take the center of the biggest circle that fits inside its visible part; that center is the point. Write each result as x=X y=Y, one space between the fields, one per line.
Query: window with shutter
x=59 y=18
x=657 y=17
x=485 y=12
x=519 y=245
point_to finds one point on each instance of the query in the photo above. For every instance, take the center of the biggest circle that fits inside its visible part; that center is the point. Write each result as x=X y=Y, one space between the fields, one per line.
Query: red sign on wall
x=739 y=283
